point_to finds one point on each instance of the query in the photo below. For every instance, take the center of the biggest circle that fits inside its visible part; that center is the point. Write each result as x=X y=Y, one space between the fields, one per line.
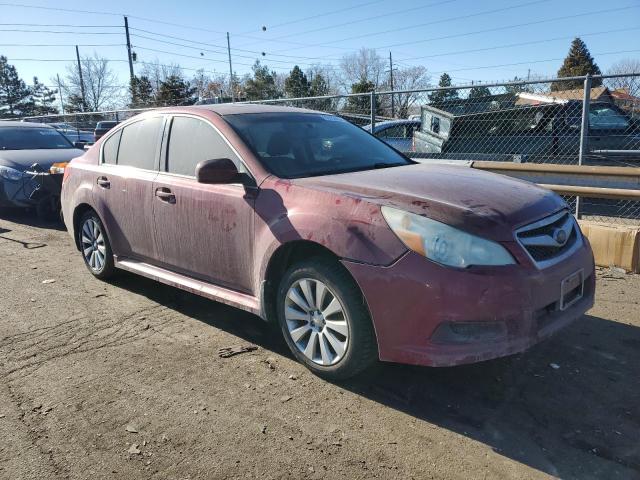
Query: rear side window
x=138 y=144
x=110 y=148
x=191 y=141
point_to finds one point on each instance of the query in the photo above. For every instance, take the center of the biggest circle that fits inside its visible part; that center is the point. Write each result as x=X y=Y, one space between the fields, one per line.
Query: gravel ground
x=123 y=380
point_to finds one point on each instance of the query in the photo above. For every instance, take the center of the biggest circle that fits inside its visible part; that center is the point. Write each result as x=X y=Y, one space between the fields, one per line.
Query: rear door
x=124 y=187
x=203 y=231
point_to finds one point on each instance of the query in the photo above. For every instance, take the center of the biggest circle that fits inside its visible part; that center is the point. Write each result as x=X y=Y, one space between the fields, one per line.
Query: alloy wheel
x=316 y=321
x=93 y=245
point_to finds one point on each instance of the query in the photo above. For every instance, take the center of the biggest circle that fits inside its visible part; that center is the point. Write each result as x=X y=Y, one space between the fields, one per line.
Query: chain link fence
x=570 y=121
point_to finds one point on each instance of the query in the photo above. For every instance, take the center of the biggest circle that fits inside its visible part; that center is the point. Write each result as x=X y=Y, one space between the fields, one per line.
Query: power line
x=198 y=47
x=602 y=54
x=325 y=14
x=434 y=22
x=56 y=31
x=57 y=25
x=511 y=45
x=61 y=44
x=507 y=27
x=360 y=20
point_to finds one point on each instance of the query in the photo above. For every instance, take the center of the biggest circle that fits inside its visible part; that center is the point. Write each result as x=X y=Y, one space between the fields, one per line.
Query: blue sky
x=472 y=40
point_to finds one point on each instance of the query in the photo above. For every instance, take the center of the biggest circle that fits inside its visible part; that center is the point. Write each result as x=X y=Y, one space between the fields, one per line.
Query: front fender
x=351 y=228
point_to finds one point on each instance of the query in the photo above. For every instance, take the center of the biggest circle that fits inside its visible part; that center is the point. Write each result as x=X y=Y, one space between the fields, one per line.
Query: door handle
x=104 y=182
x=165 y=195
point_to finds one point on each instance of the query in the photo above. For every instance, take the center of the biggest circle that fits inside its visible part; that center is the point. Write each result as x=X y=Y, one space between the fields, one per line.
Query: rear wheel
x=324 y=320
x=95 y=246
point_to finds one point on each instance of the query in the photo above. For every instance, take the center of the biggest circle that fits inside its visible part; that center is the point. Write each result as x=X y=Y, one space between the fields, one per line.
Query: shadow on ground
x=570 y=407
x=27 y=217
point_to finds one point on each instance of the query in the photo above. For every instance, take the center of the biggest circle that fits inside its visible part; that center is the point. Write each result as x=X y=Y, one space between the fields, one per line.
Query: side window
x=190 y=142
x=395 y=131
x=138 y=144
x=382 y=133
x=110 y=148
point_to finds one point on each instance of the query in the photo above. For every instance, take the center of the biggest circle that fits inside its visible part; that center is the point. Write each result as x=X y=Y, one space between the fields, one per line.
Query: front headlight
x=9 y=173
x=444 y=244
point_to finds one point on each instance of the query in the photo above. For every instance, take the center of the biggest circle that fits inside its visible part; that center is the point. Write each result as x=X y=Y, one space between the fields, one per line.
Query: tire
x=344 y=341
x=94 y=246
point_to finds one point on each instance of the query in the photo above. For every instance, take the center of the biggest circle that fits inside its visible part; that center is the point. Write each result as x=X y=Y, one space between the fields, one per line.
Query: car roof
x=15 y=123
x=391 y=123
x=243 y=108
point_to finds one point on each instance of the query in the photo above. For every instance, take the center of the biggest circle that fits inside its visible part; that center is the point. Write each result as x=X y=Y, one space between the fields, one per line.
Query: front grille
x=548 y=240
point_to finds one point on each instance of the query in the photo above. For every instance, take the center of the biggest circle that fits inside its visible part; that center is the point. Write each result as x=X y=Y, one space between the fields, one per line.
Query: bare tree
x=410 y=78
x=330 y=76
x=364 y=66
x=158 y=72
x=629 y=84
x=101 y=85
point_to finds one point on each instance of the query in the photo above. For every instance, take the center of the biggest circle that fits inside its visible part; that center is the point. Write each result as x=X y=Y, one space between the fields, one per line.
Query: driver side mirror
x=219 y=170
x=79 y=145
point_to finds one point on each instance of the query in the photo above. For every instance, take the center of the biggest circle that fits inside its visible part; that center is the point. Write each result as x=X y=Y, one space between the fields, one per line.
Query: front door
x=123 y=190
x=204 y=231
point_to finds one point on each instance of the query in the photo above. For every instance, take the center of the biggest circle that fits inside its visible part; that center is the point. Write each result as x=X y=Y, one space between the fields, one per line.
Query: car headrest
x=279 y=144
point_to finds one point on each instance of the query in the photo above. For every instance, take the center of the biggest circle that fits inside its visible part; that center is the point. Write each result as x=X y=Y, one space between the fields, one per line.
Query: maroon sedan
x=355 y=251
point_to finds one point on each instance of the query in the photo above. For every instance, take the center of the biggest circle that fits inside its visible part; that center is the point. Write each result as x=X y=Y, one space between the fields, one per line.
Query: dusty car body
x=237 y=241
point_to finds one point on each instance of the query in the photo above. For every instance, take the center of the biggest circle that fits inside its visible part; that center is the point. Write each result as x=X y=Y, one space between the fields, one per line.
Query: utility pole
x=230 y=68
x=126 y=31
x=60 y=93
x=84 y=100
x=393 y=106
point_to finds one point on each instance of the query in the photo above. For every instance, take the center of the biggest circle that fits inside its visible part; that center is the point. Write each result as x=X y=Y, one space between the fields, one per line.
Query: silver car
x=397 y=133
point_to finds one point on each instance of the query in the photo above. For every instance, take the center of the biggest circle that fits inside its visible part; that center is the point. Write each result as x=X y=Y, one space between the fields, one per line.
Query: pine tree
x=318 y=88
x=514 y=89
x=42 y=99
x=440 y=97
x=141 y=92
x=175 y=91
x=578 y=62
x=263 y=84
x=361 y=103
x=15 y=96
x=74 y=103
x=296 y=84
x=479 y=92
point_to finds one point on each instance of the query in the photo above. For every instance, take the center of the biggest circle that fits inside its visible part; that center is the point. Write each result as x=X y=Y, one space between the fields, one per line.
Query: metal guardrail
x=613 y=193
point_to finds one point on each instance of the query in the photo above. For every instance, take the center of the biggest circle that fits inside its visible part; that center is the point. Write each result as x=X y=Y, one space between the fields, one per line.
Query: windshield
x=294 y=145
x=16 y=138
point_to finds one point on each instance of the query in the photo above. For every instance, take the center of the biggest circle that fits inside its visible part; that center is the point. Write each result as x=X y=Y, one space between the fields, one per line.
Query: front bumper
x=412 y=299
x=16 y=193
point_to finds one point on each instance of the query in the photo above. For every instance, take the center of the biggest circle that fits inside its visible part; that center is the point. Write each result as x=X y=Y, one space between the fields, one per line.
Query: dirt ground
x=123 y=380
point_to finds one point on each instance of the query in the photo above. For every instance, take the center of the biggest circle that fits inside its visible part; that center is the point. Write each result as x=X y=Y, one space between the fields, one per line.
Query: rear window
x=30 y=138
x=139 y=142
x=110 y=148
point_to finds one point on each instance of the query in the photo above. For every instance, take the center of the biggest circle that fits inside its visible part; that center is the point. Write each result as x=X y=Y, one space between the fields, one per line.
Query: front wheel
x=324 y=320
x=95 y=246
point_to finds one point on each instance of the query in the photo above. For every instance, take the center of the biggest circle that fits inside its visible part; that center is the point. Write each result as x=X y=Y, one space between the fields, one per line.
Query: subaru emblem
x=560 y=236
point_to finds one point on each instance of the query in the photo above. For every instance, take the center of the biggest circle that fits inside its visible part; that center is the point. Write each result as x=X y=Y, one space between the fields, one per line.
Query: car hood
x=23 y=159
x=482 y=203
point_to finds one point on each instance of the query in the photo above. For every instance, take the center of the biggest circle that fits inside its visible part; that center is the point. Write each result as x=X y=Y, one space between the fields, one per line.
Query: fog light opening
x=469 y=332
